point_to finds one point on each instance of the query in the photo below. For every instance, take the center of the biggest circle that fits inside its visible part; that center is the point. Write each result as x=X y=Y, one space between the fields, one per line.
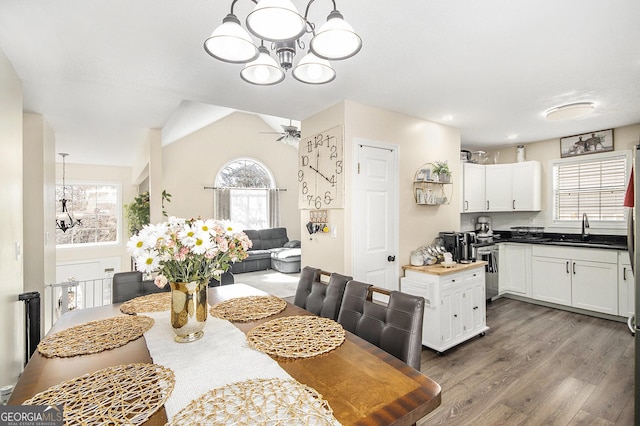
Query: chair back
x=126 y=286
x=395 y=328
x=317 y=297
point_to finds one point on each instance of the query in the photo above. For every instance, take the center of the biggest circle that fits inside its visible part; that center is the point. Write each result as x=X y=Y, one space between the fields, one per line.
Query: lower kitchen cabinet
x=514 y=266
x=455 y=309
x=579 y=277
x=626 y=286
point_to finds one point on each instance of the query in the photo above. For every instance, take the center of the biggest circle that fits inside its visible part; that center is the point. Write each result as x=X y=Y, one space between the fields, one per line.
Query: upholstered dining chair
x=128 y=285
x=395 y=328
x=317 y=297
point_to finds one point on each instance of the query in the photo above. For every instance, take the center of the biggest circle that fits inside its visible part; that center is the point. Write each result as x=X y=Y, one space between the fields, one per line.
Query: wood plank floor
x=536 y=366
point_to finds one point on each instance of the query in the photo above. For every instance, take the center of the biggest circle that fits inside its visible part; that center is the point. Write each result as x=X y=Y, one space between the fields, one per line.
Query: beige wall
x=419 y=142
x=624 y=138
x=193 y=162
x=39 y=207
x=107 y=174
x=11 y=224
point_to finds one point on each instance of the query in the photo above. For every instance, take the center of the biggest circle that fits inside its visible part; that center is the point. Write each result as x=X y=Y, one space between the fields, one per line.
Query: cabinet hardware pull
x=487 y=204
x=574 y=268
x=455 y=315
x=567 y=266
x=624 y=273
x=514 y=204
x=475 y=307
x=466 y=205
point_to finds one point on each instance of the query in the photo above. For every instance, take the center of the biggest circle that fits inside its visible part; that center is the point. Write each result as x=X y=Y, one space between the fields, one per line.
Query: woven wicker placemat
x=302 y=336
x=124 y=394
x=250 y=308
x=156 y=302
x=258 y=402
x=95 y=336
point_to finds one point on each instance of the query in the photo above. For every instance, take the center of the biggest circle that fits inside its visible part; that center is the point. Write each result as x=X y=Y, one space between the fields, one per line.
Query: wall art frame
x=586 y=143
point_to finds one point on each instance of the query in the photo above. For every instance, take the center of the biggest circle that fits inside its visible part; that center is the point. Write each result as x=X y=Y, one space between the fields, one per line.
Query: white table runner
x=219 y=358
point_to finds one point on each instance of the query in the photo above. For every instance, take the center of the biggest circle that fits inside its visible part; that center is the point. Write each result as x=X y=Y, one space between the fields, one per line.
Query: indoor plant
x=187 y=254
x=138 y=212
x=441 y=169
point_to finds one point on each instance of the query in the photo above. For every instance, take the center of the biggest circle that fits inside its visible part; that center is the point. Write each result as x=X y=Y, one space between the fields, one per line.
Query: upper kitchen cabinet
x=501 y=187
x=498 y=188
x=526 y=190
x=473 y=197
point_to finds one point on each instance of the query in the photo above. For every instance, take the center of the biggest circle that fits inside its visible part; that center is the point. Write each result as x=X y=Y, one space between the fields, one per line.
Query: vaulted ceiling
x=103 y=72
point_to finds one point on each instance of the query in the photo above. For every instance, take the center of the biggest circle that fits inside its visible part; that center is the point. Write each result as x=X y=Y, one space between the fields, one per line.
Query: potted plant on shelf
x=441 y=170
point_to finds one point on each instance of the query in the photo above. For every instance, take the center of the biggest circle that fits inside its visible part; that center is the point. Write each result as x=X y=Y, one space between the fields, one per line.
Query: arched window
x=245 y=193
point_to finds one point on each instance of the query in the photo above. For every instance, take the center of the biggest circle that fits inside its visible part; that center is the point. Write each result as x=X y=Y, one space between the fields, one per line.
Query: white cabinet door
x=626 y=286
x=478 y=306
x=498 y=187
x=551 y=280
x=514 y=266
x=526 y=186
x=594 y=286
x=473 y=194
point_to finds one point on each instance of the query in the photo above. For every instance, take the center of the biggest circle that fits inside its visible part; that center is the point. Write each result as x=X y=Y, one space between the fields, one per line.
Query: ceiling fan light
x=264 y=71
x=314 y=70
x=276 y=20
x=229 y=42
x=336 y=39
x=569 y=111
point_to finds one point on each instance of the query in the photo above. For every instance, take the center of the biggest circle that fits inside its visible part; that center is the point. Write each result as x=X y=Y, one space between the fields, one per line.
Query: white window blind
x=594 y=186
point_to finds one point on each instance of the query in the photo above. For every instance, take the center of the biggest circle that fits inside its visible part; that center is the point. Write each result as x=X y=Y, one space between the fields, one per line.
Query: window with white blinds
x=595 y=186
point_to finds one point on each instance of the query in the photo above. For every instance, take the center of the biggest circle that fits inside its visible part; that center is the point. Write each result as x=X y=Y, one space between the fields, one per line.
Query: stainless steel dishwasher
x=490 y=255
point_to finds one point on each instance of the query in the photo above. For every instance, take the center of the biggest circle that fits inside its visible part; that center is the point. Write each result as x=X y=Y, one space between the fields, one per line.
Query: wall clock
x=321 y=170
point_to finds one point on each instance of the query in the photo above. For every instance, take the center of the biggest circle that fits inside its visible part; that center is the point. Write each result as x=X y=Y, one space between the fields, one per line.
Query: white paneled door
x=375 y=210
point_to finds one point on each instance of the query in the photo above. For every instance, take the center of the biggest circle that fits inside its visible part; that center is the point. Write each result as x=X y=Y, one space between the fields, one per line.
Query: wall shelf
x=429 y=189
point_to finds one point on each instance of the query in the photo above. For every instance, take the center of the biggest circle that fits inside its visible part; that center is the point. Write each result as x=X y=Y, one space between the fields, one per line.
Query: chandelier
x=279 y=22
x=66 y=219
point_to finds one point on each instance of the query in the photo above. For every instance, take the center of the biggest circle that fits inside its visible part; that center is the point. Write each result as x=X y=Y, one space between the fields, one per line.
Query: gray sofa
x=271 y=250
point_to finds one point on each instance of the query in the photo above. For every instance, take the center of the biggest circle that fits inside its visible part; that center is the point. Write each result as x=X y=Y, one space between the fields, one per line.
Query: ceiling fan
x=289 y=136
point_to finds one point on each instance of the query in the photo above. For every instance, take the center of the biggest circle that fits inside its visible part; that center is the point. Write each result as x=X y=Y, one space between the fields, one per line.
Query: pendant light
x=66 y=219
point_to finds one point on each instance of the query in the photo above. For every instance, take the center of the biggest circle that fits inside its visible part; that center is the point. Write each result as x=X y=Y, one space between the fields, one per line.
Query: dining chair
x=128 y=285
x=320 y=298
x=395 y=327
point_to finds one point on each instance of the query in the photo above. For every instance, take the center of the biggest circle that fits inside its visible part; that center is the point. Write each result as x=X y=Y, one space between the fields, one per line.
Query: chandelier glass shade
x=66 y=219
x=231 y=43
x=313 y=70
x=262 y=71
x=279 y=22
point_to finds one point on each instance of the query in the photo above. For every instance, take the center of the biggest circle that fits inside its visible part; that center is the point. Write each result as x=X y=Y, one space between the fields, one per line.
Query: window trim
x=119 y=215
x=594 y=223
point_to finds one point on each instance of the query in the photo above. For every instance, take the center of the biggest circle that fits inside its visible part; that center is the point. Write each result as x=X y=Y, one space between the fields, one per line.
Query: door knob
x=391 y=258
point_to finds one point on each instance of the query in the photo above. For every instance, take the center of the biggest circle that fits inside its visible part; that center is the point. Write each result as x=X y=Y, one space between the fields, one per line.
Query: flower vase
x=188 y=310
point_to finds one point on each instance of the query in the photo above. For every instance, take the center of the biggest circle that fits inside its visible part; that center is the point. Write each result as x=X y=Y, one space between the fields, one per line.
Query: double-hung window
x=592 y=184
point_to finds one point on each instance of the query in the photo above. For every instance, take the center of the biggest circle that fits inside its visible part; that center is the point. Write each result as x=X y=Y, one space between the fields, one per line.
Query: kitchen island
x=454 y=296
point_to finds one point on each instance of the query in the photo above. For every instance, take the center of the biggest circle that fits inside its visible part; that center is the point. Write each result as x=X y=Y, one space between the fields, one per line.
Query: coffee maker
x=484 y=232
x=460 y=245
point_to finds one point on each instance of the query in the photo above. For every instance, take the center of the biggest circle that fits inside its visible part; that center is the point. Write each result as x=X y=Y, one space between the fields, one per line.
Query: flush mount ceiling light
x=279 y=22
x=569 y=111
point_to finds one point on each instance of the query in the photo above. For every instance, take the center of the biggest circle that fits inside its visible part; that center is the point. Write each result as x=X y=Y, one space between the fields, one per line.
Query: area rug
x=270 y=281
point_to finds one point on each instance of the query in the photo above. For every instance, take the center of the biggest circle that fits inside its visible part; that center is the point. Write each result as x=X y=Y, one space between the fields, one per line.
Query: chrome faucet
x=585 y=227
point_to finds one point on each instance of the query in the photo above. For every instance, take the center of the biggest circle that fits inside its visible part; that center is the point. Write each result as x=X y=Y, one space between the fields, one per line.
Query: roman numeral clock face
x=321 y=170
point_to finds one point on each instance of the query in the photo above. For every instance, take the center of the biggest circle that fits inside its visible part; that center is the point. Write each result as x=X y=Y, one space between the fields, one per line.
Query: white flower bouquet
x=182 y=250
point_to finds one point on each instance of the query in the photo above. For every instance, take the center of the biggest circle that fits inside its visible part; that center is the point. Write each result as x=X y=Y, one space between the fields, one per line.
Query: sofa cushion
x=258 y=254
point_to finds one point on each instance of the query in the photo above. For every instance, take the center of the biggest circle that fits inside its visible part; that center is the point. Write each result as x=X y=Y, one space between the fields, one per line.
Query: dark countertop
x=610 y=242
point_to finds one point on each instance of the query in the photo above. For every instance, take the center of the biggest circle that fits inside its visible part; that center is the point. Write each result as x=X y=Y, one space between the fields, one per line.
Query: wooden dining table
x=363 y=384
